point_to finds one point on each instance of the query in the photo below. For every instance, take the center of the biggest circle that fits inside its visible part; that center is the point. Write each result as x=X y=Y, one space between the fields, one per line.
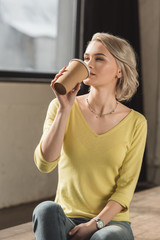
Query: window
x=37 y=36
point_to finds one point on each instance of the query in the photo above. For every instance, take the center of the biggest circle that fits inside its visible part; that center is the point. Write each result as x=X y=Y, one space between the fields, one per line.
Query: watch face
x=100 y=224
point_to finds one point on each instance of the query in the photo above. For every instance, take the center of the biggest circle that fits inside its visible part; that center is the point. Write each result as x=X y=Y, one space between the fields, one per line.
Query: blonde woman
x=98 y=145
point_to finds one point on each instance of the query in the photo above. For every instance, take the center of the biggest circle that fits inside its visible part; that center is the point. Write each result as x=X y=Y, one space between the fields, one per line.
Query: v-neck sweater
x=94 y=169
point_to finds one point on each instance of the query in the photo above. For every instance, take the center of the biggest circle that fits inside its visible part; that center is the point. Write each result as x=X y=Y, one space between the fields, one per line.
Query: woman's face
x=103 y=67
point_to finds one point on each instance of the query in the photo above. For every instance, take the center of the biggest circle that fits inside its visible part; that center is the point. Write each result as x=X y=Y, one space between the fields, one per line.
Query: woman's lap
x=49 y=220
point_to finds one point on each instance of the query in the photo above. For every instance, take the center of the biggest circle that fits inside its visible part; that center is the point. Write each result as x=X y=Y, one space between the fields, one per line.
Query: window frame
x=44 y=77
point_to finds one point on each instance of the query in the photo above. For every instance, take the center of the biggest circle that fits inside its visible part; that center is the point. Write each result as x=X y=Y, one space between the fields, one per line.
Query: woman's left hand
x=83 y=231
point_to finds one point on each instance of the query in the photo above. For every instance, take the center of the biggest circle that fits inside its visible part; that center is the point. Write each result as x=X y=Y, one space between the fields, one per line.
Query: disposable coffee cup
x=75 y=73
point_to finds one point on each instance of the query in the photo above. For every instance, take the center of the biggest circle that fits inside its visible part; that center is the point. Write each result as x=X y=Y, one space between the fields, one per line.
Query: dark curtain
x=118 y=17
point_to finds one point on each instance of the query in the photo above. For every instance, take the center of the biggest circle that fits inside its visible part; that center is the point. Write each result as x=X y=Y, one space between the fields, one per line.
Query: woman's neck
x=101 y=100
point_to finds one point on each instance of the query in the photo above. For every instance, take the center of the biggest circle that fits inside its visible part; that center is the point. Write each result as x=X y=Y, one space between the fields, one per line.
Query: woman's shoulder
x=54 y=103
x=139 y=115
x=53 y=106
x=134 y=115
x=139 y=118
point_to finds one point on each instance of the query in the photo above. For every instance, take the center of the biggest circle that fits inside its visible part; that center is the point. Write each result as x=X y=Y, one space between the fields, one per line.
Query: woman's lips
x=92 y=74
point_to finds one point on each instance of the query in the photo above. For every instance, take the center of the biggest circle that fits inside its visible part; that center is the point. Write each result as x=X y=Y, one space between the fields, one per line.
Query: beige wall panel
x=23 y=108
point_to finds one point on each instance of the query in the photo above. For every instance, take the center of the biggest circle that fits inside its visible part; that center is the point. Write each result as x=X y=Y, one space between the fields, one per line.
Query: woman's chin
x=87 y=81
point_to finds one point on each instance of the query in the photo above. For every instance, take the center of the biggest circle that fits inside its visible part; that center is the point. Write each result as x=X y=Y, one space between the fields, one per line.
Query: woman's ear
x=119 y=74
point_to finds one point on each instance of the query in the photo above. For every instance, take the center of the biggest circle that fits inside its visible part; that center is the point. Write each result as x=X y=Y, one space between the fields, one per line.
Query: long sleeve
x=40 y=162
x=129 y=172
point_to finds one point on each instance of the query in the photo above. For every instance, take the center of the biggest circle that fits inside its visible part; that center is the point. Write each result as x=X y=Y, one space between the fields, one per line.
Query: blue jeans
x=50 y=223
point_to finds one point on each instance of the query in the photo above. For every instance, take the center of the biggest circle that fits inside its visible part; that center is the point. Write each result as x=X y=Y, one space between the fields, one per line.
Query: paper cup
x=75 y=73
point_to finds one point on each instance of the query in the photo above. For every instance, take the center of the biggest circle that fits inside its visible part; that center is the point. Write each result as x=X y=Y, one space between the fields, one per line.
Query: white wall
x=23 y=108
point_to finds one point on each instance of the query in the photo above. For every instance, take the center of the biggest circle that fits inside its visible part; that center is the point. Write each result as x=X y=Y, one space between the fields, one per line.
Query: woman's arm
x=110 y=211
x=86 y=230
x=52 y=142
x=48 y=150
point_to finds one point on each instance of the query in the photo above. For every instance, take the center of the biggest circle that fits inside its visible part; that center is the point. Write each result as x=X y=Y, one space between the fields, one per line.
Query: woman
x=98 y=144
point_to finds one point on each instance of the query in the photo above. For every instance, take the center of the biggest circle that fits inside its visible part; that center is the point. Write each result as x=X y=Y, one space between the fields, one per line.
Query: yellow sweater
x=92 y=168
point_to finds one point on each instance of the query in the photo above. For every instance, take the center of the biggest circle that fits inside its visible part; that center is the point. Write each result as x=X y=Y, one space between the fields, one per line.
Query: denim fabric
x=50 y=223
x=115 y=230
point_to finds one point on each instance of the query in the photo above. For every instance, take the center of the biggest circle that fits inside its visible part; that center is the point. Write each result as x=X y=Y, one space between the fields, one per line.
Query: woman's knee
x=47 y=217
x=116 y=231
x=97 y=236
x=45 y=210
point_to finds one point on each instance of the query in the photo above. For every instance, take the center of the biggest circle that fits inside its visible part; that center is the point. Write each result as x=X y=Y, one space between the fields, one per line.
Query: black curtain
x=118 y=17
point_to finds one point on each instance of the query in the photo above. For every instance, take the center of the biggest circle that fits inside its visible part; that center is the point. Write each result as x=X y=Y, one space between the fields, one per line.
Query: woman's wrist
x=64 y=110
x=92 y=225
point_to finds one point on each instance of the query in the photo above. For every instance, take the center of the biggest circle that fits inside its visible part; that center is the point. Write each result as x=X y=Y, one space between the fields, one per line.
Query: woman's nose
x=90 y=63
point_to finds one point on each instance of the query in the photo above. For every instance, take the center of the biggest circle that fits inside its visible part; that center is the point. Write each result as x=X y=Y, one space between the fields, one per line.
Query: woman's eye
x=86 y=59
x=99 y=59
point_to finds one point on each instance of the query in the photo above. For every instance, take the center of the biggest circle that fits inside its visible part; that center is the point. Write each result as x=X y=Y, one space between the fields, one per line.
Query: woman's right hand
x=66 y=101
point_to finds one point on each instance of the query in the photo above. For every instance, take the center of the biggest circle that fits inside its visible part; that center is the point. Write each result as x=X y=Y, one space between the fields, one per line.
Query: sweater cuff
x=122 y=199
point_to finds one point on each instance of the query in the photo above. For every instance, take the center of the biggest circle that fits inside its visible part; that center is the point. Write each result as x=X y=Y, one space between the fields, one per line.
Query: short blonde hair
x=126 y=59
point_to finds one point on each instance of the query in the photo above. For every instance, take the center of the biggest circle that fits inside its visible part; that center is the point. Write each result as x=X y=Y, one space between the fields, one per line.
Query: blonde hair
x=126 y=59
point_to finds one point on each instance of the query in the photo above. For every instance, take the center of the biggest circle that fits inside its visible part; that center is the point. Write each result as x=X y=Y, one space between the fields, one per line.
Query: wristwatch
x=99 y=223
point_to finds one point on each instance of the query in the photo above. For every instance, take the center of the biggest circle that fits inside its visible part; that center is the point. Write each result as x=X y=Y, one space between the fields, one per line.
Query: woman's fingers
x=52 y=82
x=77 y=88
x=57 y=76
x=73 y=231
x=67 y=99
